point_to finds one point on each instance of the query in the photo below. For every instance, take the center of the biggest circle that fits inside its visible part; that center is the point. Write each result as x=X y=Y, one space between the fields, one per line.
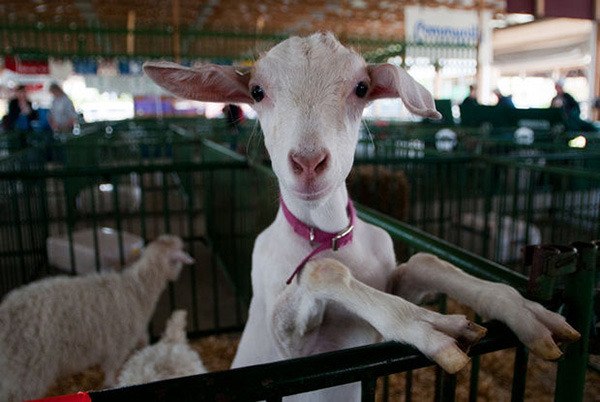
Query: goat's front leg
x=536 y=327
x=327 y=280
x=295 y=316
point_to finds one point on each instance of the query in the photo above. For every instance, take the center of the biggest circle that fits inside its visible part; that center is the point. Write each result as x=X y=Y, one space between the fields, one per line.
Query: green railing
x=134 y=186
x=272 y=381
x=217 y=203
x=492 y=206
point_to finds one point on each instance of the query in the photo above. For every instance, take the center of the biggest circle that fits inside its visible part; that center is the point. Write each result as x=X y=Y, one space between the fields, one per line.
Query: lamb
x=171 y=357
x=322 y=279
x=63 y=325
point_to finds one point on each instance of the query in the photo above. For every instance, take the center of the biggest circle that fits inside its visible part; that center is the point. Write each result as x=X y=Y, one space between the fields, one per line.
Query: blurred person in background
x=471 y=99
x=20 y=115
x=503 y=101
x=565 y=101
x=62 y=116
x=234 y=115
x=570 y=109
x=20 y=111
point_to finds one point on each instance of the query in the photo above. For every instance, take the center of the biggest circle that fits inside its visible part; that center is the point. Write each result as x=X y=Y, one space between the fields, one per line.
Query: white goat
x=63 y=325
x=170 y=357
x=309 y=94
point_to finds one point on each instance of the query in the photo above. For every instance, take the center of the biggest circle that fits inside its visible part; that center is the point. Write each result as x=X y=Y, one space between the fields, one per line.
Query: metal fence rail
x=491 y=206
x=217 y=203
x=191 y=44
x=121 y=187
x=384 y=139
x=273 y=381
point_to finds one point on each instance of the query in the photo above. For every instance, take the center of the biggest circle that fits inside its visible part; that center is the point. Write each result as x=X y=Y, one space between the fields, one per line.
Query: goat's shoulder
x=375 y=244
x=373 y=236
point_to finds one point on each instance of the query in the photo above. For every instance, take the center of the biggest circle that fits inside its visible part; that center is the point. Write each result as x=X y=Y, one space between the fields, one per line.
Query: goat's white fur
x=310 y=109
x=171 y=357
x=63 y=325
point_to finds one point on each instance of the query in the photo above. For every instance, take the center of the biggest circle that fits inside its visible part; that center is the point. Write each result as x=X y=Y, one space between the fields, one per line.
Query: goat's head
x=309 y=94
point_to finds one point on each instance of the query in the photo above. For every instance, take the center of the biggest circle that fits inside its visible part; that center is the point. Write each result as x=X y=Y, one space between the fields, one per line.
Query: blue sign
x=431 y=33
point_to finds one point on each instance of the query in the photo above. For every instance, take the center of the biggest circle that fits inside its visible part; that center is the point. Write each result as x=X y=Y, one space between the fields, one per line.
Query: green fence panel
x=157 y=178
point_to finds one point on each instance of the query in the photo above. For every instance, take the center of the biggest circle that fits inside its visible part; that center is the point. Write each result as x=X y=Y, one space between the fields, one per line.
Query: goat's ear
x=209 y=83
x=388 y=81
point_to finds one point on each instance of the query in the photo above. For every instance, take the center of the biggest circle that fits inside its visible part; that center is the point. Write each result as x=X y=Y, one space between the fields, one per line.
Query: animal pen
x=119 y=185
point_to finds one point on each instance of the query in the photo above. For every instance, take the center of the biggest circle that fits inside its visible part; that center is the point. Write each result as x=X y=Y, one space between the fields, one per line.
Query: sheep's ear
x=209 y=83
x=388 y=81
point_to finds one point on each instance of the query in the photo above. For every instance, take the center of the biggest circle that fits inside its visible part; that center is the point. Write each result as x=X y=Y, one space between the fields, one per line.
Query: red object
x=520 y=6
x=554 y=8
x=324 y=240
x=23 y=65
x=78 y=397
x=570 y=9
x=34 y=87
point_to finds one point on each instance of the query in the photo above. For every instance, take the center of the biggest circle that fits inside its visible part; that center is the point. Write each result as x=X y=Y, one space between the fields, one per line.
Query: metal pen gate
x=174 y=181
x=115 y=183
x=490 y=205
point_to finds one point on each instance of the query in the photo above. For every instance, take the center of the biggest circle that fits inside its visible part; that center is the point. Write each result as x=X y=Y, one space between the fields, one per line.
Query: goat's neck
x=329 y=215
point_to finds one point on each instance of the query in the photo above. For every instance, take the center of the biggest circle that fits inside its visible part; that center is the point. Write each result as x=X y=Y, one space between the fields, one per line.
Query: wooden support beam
x=478 y=69
x=540 y=8
x=596 y=92
x=130 y=33
x=176 y=30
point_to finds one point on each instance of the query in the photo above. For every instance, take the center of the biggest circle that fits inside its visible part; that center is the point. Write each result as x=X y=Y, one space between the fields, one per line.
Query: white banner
x=441 y=25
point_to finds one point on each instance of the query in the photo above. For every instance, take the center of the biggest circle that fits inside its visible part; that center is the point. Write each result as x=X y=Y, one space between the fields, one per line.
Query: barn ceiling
x=347 y=18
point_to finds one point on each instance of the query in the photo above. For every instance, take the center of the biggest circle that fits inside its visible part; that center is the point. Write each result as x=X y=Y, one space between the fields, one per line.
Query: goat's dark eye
x=361 y=89
x=257 y=93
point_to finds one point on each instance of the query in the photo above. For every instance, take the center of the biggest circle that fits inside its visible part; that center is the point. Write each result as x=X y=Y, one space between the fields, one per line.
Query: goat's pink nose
x=312 y=164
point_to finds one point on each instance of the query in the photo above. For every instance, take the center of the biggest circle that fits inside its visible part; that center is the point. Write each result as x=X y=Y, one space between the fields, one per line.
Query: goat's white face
x=309 y=94
x=310 y=112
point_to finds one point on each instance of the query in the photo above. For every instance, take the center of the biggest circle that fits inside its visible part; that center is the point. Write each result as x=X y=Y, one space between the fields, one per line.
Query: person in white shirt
x=62 y=112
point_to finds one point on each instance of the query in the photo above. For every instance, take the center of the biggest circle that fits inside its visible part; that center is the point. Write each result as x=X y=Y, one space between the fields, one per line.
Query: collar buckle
x=339 y=236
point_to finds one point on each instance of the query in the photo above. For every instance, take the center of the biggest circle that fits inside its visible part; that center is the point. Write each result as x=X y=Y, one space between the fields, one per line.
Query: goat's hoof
x=566 y=334
x=545 y=348
x=451 y=359
x=460 y=328
x=472 y=334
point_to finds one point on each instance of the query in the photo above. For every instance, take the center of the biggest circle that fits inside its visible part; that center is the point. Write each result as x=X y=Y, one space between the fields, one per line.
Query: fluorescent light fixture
x=578 y=142
x=105 y=187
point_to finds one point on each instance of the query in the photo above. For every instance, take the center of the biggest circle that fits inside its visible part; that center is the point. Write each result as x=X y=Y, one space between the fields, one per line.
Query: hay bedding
x=495 y=376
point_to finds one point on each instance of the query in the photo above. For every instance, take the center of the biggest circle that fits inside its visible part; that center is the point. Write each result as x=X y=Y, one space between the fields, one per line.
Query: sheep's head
x=168 y=250
x=309 y=94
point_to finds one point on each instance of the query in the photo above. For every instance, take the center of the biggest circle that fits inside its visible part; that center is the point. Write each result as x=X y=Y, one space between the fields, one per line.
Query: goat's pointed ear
x=208 y=83
x=388 y=81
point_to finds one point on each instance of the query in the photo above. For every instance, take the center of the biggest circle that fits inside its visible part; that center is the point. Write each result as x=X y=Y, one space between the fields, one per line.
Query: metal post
x=579 y=287
x=368 y=386
x=519 y=374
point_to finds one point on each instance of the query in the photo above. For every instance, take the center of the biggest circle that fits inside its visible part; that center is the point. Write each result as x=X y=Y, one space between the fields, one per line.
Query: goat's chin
x=311 y=191
x=311 y=196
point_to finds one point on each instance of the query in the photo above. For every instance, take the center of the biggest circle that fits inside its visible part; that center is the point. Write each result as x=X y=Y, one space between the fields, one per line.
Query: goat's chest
x=280 y=252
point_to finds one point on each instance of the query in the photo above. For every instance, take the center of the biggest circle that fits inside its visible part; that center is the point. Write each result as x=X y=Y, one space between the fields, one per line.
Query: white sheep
x=171 y=357
x=63 y=325
x=309 y=94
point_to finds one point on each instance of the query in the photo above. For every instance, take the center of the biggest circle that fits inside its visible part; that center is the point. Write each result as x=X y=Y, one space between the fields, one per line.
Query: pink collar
x=324 y=240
